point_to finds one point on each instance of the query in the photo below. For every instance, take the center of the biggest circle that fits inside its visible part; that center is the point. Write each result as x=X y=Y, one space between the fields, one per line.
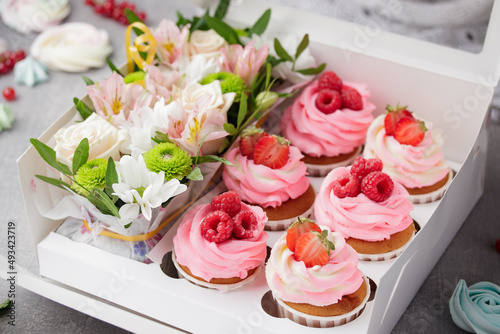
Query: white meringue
x=27 y=16
x=72 y=47
x=6 y=117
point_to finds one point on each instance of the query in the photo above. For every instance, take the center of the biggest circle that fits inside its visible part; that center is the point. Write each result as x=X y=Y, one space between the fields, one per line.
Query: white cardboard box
x=451 y=88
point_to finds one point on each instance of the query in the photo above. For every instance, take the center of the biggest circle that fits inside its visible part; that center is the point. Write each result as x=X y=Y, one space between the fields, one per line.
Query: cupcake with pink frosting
x=268 y=172
x=221 y=245
x=328 y=122
x=368 y=208
x=314 y=277
x=411 y=152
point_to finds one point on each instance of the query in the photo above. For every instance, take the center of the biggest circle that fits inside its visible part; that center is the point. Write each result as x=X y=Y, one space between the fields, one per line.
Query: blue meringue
x=30 y=72
x=476 y=309
x=6 y=117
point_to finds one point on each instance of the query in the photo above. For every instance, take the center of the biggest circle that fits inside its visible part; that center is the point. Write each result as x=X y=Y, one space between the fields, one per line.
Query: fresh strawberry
x=249 y=138
x=299 y=228
x=351 y=99
x=313 y=249
x=272 y=151
x=409 y=131
x=327 y=101
x=330 y=80
x=393 y=116
x=229 y=202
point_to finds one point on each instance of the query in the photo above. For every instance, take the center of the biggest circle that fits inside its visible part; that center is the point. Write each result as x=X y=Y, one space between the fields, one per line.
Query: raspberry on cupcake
x=221 y=245
x=328 y=122
x=368 y=208
x=268 y=171
x=314 y=277
x=411 y=153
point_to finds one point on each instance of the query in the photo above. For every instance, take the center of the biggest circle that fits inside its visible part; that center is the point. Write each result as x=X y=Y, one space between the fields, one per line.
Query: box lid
x=482 y=68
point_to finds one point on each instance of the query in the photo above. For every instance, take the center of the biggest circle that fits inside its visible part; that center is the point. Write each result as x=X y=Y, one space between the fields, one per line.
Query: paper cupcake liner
x=283 y=224
x=433 y=196
x=323 y=170
x=220 y=287
x=308 y=320
x=385 y=256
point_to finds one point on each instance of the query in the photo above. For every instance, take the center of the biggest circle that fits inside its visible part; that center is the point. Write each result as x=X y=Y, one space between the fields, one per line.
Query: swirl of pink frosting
x=230 y=258
x=359 y=217
x=412 y=166
x=318 y=134
x=264 y=186
x=292 y=281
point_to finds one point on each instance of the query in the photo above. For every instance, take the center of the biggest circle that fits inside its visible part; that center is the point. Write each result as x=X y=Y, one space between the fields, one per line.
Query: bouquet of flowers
x=189 y=89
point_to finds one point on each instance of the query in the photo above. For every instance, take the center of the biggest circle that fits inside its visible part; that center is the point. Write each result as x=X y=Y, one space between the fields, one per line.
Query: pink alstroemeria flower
x=159 y=84
x=172 y=42
x=244 y=62
x=202 y=124
x=113 y=99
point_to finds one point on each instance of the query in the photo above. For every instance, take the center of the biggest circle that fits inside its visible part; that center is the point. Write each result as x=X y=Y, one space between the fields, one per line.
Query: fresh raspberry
x=229 y=202
x=351 y=99
x=327 y=101
x=347 y=186
x=245 y=225
x=362 y=167
x=377 y=186
x=330 y=80
x=217 y=227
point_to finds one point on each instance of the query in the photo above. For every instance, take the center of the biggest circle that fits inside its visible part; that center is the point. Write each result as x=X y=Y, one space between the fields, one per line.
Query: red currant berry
x=19 y=55
x=99 y=9
x=9 y=64
x=9 y=93
x=89 y=2
x=142 y=16
x=3 y=68
x=123 y=20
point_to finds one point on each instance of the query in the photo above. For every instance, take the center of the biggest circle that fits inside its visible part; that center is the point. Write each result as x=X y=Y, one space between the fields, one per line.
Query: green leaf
x=224 y=145
x=87 y=80
x=54 y=182
x=223 y=29
x=104 y=203
x=112 y=66
x=302 y=46
x=274 y=61
x=195 y=174
x=5 y=306
x=261 y=24
x=81 y=155
x=222 y=8
x=111 y=175
x=312 y=70
x=84 y=110
x=128 y=225
x=213 y=158
x=229 y=128
x=49 y=155
x=242 y=111
x=280 y=51
x=161 y=138
x=269 y=69
x=199 y=23
x=131 y=16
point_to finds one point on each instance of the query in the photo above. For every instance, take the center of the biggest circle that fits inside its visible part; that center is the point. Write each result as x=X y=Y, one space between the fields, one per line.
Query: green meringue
x=6 y=117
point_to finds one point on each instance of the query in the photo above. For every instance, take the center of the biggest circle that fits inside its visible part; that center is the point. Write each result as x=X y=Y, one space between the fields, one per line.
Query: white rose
x=198 y=66
x=206 y=42
x=211 y=94
x=104 y=139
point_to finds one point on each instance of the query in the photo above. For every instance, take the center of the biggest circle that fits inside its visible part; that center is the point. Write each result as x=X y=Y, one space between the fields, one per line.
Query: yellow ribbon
x=149 y=235
x=143 y=43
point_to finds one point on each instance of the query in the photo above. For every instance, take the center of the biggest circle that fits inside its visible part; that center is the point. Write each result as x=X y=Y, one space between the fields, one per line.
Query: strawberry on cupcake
x=328 y=122
x=411 y=153
x=268 y=171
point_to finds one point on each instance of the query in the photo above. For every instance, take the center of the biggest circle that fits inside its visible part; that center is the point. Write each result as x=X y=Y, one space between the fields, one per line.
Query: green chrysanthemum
x=229 y=82
x=170 y=158
x=89 y=176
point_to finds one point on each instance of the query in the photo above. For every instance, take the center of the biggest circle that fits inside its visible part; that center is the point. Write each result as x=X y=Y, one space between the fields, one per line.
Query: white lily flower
x=141 y=189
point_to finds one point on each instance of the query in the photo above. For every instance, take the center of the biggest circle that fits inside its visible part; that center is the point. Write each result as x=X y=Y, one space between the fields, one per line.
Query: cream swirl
x=318 y=134
x=230 y=258
x=359 y=217
x=267 y=187
x=292 y=281
x=412 y=166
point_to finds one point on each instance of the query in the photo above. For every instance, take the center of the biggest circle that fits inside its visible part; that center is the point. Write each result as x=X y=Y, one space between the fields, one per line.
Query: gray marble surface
x=470 y=255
